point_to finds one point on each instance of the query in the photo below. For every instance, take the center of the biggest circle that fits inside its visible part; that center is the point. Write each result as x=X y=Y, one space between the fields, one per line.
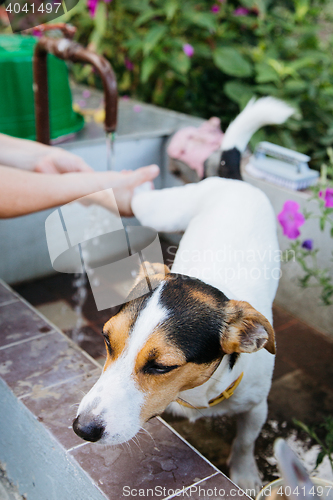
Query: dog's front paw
x=246 y=476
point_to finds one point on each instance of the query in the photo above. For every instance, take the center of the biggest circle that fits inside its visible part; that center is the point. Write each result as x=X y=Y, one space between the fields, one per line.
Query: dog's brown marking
x=159 y=349
x=117 y=329
x=205 y=298
x=161 y=389
x=245 y=329
x=240 y=328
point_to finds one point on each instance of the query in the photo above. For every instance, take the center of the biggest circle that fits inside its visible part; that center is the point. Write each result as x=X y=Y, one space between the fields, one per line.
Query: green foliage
x=273 y=50
x=326 y=443
x=313 y=274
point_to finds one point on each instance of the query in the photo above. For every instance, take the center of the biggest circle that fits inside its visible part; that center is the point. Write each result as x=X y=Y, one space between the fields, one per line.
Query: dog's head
x=161 y=344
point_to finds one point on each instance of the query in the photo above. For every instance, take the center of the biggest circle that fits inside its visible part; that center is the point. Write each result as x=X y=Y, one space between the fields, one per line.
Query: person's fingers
x=45 y=166
x=82 y=166
x=144 y=174
x=67 y=162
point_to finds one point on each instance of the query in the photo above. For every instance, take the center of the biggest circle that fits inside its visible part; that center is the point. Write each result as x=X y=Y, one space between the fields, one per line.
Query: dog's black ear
x=149 y=269
x=245 y=329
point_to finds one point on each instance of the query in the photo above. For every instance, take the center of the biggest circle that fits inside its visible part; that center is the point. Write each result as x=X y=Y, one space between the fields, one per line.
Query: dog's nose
x=91 y=431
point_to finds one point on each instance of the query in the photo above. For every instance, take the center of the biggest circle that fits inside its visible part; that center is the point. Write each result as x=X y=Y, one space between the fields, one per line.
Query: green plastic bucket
x=17 y=113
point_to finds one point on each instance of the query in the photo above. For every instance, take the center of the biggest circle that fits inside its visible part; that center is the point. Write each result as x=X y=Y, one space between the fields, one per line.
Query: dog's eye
x=154 y=368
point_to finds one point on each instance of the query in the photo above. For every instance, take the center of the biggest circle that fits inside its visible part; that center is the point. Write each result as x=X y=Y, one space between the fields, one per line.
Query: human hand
x=60 y=161
x=123 y=185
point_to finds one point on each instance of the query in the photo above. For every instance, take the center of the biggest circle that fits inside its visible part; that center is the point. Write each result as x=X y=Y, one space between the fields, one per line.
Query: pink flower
x=137 y=108
x=215 y=8
x=328 y=196
x=37 y=32
x=92 y=5
x=81 y=103
x=241 y=11
x=291 y=219
x=125 y=97
x=128 y=64
x=86 y=94
x=188 y=50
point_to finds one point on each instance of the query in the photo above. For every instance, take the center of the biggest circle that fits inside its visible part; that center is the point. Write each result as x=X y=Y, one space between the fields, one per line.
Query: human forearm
x=20 y=153
x=34 y=156
x=24 y=192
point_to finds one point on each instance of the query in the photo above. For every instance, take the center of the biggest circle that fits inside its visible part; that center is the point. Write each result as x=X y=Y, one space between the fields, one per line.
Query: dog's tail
x=256 y=114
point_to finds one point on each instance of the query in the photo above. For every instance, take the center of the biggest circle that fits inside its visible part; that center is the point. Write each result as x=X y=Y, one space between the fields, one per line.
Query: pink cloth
x=194 y=145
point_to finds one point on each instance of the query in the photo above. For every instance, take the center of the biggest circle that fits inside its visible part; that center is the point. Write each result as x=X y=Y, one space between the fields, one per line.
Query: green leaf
x=265 y=73
x=146 y=16
x=261 y=5
x=320 y=457
x=134 y=46
x=303 y=426
x=202 y=19
x=135 y=5
x=100 y=18
x=153 y=37
x=148 y=66
x=180 y=63
x=331 y=232
x=281 y=68
x=238 y=92
x=100 y=25
x=267 y=89
x=295 y=86
x=302 y=7
x=232 y=62
x=302 y=62
x=170 y=9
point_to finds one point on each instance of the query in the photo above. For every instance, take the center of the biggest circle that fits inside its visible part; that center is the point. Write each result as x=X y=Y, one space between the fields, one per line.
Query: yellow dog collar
x=224 y=395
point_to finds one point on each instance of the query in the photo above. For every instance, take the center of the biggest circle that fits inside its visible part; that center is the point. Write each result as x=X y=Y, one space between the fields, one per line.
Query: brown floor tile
x=6 y=295
x=90 y=312
x=215 y=488
x=37 y=292
x=164 y=461
x=56 y=406
x=211 y=436
x=19 y=322
x=89 y=340
x=61 y=314
x=31 y=366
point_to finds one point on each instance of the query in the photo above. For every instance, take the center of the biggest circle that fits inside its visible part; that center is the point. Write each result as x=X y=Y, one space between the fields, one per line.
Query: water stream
x=110 y=153
x=80 y=280
x=79 y=297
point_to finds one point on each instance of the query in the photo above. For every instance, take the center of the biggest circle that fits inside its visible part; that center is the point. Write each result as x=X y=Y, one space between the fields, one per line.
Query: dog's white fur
x=115 y=395
x=256 y=114
x=225 y=214
x=230 y=243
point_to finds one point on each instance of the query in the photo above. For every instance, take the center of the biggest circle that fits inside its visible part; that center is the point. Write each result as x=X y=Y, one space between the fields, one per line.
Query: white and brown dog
x=203 y=337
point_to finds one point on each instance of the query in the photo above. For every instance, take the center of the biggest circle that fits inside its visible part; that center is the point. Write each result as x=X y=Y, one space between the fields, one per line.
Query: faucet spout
x=69 y=50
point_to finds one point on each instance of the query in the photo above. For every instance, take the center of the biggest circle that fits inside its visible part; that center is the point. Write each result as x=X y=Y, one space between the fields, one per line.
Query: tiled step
x=43 y=377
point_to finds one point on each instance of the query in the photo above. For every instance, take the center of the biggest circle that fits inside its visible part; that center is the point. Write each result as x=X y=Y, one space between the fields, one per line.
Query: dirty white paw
x=247 y=477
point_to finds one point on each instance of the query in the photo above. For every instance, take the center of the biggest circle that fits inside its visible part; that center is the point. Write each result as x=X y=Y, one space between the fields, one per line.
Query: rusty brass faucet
x=68 y=50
